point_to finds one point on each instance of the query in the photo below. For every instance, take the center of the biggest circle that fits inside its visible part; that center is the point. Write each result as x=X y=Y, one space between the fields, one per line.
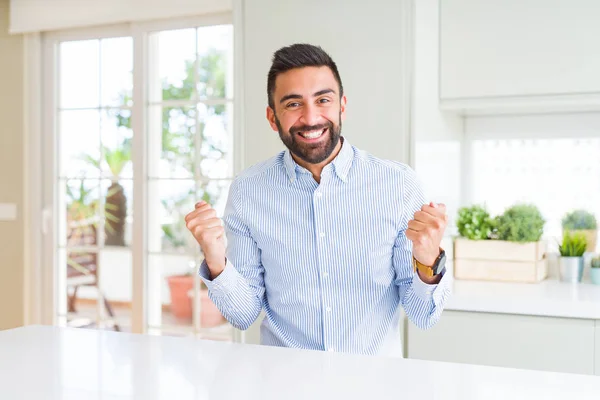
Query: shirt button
x=325 y=275
x=322 y=234
x=319 y=194
x=328 y=309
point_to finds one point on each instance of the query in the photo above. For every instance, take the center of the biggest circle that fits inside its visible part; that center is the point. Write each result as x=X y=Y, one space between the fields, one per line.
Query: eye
x=293 y=105
x=324 y=100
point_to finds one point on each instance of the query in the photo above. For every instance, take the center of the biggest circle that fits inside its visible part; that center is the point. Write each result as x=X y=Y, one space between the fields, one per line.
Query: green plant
x=521 y=223
x=596 y=262
x=475 y=223
x=573 y=244
x=579 y=220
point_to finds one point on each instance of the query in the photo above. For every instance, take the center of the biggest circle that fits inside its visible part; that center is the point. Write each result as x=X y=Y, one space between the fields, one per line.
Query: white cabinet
x=597 y=346
x=515 y=49
x=505 y=340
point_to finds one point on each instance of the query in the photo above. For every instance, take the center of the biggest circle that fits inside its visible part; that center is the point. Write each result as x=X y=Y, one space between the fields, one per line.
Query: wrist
x=216 y=267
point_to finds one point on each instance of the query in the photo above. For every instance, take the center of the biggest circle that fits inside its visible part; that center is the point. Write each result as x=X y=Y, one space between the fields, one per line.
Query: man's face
x=308 y=112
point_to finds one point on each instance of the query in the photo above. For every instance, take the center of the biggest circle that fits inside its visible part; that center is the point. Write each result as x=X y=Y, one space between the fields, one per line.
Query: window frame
x=43 y=183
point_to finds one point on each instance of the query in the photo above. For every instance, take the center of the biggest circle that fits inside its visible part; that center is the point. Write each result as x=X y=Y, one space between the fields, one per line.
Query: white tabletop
x=58 y=363
x=547 y=298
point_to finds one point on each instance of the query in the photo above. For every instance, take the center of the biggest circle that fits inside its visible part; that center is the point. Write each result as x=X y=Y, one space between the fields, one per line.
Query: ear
x=343 y=107
x=271 y=118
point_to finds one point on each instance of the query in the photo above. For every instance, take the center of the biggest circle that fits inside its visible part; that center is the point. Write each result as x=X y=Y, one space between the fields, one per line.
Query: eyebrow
x=297 y=96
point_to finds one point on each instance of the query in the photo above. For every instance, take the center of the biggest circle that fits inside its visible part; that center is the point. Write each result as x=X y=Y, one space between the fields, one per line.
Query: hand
x=209 y=233
x=426 y=231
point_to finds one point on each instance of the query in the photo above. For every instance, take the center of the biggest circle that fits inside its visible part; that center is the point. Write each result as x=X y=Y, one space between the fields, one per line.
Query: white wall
x=46 y=15
x=438 y=135
x=364 y=39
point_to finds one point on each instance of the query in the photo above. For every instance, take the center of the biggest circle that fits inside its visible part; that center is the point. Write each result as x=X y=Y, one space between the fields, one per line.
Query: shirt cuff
x=223 y=284
x=426 y=292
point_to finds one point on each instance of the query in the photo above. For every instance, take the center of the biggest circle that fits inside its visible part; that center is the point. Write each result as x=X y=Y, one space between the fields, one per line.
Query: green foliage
x=521 y=223
x=573 y=244
x=579 y=220
x=596 y=262
x=475 y=223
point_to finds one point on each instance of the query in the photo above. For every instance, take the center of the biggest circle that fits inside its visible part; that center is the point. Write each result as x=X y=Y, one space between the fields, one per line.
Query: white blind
x=49 y=15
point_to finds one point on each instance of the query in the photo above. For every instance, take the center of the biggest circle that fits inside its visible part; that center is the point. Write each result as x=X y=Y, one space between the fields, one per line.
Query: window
x=179 y=101
x=557 y=175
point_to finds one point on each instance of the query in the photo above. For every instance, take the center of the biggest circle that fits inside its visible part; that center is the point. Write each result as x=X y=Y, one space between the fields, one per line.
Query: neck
x=316 y=169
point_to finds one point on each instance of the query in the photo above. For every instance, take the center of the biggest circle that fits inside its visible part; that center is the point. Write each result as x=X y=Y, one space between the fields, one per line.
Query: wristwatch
x=429 y=271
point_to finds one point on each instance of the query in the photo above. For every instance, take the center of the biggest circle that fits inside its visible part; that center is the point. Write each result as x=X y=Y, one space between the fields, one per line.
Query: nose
x=310 y=115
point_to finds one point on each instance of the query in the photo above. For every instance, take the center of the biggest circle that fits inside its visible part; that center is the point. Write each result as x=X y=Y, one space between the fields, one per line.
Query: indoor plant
x=595 y=270
x=475 y=223
x=505 y=248
x=521 y=223
x=570 y=262
x=585 y=222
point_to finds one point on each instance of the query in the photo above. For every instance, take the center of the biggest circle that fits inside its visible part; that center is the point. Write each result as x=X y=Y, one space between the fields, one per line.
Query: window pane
x=117 y=137
x=80 y=200
x=79 y=66
x=118 y=197
x=169 y=201
x=557 y=175
x=116 y=71
x=172 y=136
x=215 y=193
x=98 y=288
x=215 y=62
x=216 y=152
x=79 y=143
x=172 y=63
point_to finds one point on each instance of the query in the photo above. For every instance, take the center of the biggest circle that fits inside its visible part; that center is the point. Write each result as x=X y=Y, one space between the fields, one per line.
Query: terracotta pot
x=181 y=288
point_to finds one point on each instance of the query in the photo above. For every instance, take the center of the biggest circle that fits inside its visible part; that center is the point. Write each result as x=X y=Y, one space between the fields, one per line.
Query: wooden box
x=498 y=260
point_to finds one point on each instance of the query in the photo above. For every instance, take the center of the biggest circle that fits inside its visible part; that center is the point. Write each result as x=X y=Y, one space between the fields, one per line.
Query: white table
x=66 y=363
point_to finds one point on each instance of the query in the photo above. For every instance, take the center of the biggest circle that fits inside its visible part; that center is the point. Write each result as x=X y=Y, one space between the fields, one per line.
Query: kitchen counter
x=54 y=363
x=547 y=298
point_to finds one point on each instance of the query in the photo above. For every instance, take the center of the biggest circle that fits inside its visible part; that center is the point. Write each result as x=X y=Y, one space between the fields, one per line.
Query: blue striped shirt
x=328 y=262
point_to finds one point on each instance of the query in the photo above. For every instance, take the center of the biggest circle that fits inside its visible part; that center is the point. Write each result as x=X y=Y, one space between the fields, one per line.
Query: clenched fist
x=208 y=231
x=426 y=231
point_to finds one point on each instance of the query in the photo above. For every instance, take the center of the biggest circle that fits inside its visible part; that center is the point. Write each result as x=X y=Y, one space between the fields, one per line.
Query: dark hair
x=298 y=56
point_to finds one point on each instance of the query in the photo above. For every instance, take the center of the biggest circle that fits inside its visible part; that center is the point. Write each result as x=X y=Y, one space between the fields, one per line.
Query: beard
x=313 y=153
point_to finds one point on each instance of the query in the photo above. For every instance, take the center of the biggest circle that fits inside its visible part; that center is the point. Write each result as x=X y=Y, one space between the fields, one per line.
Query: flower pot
x=570 y=269
x=595 y=276
x=181 y=288
x=181 y=304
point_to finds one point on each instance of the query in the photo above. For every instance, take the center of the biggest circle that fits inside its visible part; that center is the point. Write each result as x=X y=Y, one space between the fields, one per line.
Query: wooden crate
x=498 y=260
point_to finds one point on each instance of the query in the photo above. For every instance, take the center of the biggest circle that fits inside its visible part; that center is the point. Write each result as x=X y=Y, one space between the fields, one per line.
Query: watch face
x=440 y=262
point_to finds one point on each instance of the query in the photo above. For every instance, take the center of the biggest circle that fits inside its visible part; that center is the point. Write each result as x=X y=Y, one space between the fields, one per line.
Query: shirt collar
x=341 y=163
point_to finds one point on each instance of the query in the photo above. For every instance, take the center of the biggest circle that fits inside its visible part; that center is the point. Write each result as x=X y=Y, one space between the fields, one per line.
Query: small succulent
x=521 y=223
x=573 y=244
x=579 y=220
x=475 y=223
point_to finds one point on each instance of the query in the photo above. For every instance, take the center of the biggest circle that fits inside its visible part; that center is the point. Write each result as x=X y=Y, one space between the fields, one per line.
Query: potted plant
x=595 y=270
x=570 y=262
x=181 y=288
x=585 y=222
x=505 y=248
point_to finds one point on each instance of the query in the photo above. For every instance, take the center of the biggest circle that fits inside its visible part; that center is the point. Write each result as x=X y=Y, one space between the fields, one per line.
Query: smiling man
x=330 y=241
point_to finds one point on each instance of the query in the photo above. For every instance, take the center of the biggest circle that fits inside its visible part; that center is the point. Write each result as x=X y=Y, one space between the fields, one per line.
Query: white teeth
x=312 y=134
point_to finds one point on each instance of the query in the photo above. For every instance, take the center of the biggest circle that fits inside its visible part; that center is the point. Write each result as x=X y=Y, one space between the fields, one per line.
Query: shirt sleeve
x=423 y=303
x=238 y=292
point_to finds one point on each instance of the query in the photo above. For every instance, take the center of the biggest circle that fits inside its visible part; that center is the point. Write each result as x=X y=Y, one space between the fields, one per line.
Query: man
x=326 y=239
